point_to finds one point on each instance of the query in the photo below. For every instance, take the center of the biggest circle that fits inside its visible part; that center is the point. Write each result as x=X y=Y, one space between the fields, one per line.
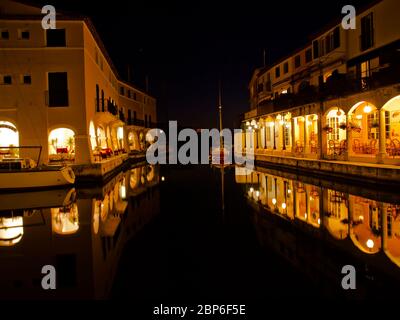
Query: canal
x=179 y=234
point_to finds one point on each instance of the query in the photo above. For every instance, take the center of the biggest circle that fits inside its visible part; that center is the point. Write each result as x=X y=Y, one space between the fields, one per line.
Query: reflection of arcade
x=83 y=237
x=368 y=226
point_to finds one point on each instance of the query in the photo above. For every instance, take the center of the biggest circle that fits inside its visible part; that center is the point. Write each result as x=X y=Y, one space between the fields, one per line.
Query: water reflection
x=361 y=221
x=81 y=232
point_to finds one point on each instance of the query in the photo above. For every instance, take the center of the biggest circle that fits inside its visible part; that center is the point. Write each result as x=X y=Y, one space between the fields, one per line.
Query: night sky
x=186 y=46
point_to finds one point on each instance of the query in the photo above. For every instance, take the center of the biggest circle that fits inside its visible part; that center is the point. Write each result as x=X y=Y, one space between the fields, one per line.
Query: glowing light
x=305 y=215
x=123 y=192
x=252 y=190
x=162 y=178
x=319 y=221
x=247 y=123
x=283 y=206
x=361 y=218
x=274 y=201
x=284 y=91
x=367 y=109
x=120 y=132
x=281 y=122
x=257 y=194
x=370 y=243
x=359 y=116
x=278 y=117
x=11 y=231
x=315 y=117
x=289 y=191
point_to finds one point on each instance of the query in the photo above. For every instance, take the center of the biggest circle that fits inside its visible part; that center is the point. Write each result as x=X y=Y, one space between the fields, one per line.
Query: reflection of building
x=318 y=230
x=336 y=98
x=59 y=89
x=83 y=237
x=372 y=226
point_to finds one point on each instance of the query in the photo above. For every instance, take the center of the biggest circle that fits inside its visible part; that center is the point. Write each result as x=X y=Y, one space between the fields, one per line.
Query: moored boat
x=24 y=173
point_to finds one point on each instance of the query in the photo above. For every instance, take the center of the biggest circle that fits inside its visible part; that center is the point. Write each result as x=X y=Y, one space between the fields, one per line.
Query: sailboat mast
x=220 y=115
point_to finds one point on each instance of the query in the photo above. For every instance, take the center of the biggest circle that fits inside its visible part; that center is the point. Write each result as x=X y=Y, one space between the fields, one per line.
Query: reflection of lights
x=120 y=132
x=370 y=243
x=289 y=191
x=255 y=126
x=311 y=198
x=247 y=123
x=315 y=118
x=281 y=122
x=11 y=231
x=305 y=215
x=283 y=206
x=274 y=201
x=251 y=189
x=162 y=178
x=359 y=116
x=278 y=117
x=361 y=218
x=65 y=221
x=257 y=193
x=319 y=221
x=367 y=109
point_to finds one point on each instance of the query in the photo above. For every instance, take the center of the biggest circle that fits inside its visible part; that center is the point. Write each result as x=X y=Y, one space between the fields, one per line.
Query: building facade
x=60 y=90
x=336 y=98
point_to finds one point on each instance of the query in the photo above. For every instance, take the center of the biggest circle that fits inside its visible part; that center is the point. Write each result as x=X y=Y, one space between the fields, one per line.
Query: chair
x=299 y=147
x=343 y=146
x=331 y=146
x=395 y=146
x=357 y=148
x=313 y=146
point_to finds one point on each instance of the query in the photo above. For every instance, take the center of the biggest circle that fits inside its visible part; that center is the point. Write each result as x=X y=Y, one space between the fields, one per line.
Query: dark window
x=27 y=79
x=316 y=49
x=308 y=55
x=285 y=67
x=102 y=100
x=367 y=32
x=297 y=61
x=149 y=121
x=122 y=91
x=97 y=98
x=336 y=38
x=56 y=38
x=129 y=93
x=328 y=43
x=134 y=95
x=5 y=35
x=277 y=72
x=24 y=35
x=58 y=89
x=145 y=120
x=134 y=115
x=7 y=80
x=129 y=116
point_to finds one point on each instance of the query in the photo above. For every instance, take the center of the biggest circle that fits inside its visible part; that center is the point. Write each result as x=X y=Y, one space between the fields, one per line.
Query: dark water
x=161 y=235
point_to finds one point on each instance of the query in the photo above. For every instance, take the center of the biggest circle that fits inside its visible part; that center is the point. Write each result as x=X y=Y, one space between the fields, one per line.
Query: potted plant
x=354 y=126
x=375 y=124
x=327 y=128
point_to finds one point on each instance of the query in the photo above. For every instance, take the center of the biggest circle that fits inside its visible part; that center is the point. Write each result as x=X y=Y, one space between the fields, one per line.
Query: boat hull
x=39 y=178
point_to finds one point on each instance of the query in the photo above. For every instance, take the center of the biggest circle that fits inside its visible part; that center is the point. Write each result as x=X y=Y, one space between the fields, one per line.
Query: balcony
x=338 y=85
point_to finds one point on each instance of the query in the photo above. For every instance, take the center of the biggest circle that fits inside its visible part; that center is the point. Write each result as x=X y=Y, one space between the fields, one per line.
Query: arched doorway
x=363 y=127
x=336 y=131
x=133 y=141
x=61 y=145
x=9 y=138
x=392 y=127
